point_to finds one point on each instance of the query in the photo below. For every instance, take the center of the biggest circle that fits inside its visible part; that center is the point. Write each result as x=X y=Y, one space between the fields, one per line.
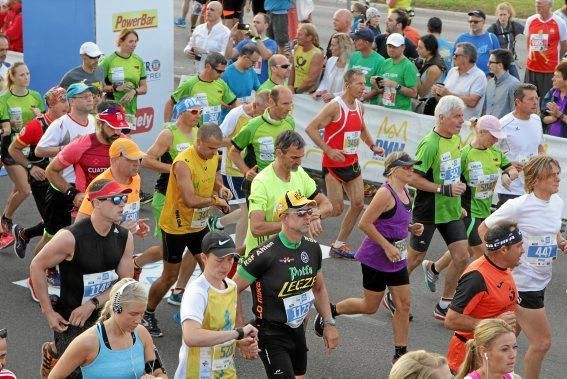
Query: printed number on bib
x=350 y=142
x=97 y=283
x=451 y=171
x=485 y=186
x=117 y=75
x=223 y=356
x=130 y=212
x=402 y=246
x=296 y=308
x=266 y=148
x=389 y=97
x=211 y=114
x=538 y=42
x=200 y=217
x=541 y=250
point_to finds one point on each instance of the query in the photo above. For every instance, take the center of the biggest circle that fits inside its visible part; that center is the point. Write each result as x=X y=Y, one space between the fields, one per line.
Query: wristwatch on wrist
x=331 y=322
x=398 y=88
x=29 y=166
x=95 y=301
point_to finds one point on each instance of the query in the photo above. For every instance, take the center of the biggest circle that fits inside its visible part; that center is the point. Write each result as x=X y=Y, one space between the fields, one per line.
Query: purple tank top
x=393 y=228
x=476 y=375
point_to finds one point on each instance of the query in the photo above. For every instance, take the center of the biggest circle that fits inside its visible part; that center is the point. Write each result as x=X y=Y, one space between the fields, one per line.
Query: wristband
x=372 y=147
x=95 y=301
x=71 y=193
x=506 y=173
x=446 y=190
x=240 y=332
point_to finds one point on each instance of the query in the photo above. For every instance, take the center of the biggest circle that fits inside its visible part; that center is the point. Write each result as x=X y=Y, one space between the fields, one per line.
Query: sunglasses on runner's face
x=284 y=66
x=218 y=71
x=194 y=111
x=3 y=333
x=303 y=212
x=116 y=200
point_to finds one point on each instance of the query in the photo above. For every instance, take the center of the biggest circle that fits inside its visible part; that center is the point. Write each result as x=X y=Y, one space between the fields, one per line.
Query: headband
x=512 y=238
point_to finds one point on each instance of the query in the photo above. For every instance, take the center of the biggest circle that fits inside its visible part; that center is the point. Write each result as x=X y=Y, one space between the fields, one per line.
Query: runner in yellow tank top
x=307 y=60
x=193 y=181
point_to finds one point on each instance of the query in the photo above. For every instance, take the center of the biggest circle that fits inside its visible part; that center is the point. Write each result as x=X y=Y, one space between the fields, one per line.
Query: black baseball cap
x=398 y=159
x=477 y=13
x=363 y=34
x=218 y=243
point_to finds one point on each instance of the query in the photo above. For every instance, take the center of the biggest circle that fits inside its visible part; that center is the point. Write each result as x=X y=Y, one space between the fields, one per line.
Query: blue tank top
x=116 y=364
x=393 y=228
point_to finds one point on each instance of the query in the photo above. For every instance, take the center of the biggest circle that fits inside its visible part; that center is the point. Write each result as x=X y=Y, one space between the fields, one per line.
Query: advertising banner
x=152 y=20
x=394 y=131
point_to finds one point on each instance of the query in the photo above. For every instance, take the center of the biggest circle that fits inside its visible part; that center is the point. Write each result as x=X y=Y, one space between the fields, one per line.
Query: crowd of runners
x=229 y=154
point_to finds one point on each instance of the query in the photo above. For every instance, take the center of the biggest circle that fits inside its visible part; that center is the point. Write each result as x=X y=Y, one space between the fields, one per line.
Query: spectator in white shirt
x=464 y=80
x=332 y=83
x=212 y=36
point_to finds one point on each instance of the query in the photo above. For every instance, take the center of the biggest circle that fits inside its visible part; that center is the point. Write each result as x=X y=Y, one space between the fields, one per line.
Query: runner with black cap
x=486 y=289
x=208 y=316
x=285 y=273
x=383 y=254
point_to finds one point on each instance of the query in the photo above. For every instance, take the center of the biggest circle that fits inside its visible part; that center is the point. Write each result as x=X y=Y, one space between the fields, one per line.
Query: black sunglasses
x=218 y=71
x=116 y=200
x=303 y=212
x=3 y=333
x=284 y=66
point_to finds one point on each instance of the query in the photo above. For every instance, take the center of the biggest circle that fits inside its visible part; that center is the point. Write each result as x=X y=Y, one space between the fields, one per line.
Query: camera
x=242 y=26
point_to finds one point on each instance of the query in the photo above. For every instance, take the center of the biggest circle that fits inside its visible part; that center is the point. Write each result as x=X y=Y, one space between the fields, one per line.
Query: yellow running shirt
x=302 y=64
x=176 y=217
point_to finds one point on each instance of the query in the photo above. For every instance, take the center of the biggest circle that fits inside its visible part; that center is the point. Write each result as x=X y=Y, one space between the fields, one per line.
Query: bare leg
x=20 y=191
x=355 y=193
x=230 y=218
x=160 y=287
x=460 y=260
x=367 y=305
x=242 y=225
x=150 y=255
x=185 y=9
x=414 y=259
x=400 y=321
x=536 y=327
x=187 y=268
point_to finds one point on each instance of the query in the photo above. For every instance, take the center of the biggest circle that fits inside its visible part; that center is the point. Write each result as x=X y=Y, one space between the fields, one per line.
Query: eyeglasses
x=302 y=212
x=218 y=71
x=3 y=333
x=455 y=55
x=474 y=21
x=116 y=200
x=284 y=66
x=88 y=96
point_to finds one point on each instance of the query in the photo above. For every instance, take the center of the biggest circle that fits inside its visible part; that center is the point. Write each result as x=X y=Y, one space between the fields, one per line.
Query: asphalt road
x=366 y=341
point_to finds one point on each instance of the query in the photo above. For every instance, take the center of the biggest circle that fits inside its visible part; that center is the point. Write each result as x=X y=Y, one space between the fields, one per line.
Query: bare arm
x=168 y=110
x=195 y=336
x=54 y=173
x=381 y=202
x=241 y=285
x=159 y=148
x=149 y=352
x=330 y=334
x=260 y=227
x=460 y=322
x=423 y=184
x=324 y=205
x=329 y=113
x=47 y=152
x=142 y=87
x=83 y=350
x=15 y=150
x=186 y=189
x=236 y=158
x=432 y=77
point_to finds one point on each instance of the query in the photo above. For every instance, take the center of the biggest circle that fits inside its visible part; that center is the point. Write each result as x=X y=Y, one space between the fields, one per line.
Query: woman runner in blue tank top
x=383 y=255
x=117 y=347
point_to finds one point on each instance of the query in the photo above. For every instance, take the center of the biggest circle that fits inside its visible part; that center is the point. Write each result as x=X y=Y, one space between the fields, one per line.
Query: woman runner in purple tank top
x=382 y=255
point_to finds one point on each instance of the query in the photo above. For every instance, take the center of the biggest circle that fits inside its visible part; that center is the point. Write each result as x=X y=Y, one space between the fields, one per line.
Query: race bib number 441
x=542 y=251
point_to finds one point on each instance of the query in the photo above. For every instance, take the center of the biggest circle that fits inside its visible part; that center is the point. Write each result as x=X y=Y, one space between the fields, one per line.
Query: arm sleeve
x=256 y=82
x=243 y=138
x=507 y=212
x=426 y=154
x=562 y=29
x=478 y=87
x=228 y=97
x=183 y=90
x=52 y=136
x=229 y=123
x=39 y=100
x=14 y=31
x=258 y=199
x=30 y=133
x=410 y=76
x=143 y=69
x=255 y=264
x=504 y=161
x=72 y=153
x=470 y=290
x=310 y=186
x=193 y=304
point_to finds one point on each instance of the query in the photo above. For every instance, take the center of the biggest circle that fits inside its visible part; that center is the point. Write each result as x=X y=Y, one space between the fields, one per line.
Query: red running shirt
x=344 y=134
x=544 y=39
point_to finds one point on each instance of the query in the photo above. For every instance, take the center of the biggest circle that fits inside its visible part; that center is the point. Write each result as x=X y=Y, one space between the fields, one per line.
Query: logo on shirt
x=295 y=272
x=304 y=257
x=287 y=260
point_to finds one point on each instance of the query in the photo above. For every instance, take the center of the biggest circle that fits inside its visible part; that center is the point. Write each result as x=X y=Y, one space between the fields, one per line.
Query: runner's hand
x=378 y=151
x=327 y=97
x=250 y=331
x=37 y=173
x=57 y=322
x=248 y=347
x=131 y=225
x=222 y=204
x=335 y=155
x=562 y=244
x=225 y=193
x=143 y=228
x=518 y=166
x=509 y=317
x=251 y=174
x=78 y=200
x=330 y=337
x=393 y=254
x=464 y=213
x=506 y=181
x=81 y=314
x=458 y=188
x=416 y=229
x=315 y=227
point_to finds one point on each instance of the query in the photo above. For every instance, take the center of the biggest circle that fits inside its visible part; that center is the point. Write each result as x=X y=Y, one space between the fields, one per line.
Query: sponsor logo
x=153 y=72
x=142 y=19
x=391 y=137
x=96 y=170
x=296 y=286
x=304 y=257
x=295 y=272
x=287 y=260
x=223 y=242
x=144 y=120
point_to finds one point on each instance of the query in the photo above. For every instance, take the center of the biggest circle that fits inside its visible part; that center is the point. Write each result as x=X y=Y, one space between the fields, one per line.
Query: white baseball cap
x=396 y=39
x=91 y=49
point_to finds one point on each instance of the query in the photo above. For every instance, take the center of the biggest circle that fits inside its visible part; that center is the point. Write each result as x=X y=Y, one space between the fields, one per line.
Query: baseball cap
x=126 y=148
x=78 y=88
x=477 y=13
x=55 y=95
x=186 y=104
x=492 y=124
x=372 y=12
x=398 y=159
x=114 y=117
x=218 y=243
x=105 y=188
x=292 y=200
x=396 y=39
x=91 y=49
x=363 y=34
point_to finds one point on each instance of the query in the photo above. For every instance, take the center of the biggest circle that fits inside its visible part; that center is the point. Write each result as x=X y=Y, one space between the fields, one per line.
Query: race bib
x=402 y=246
x=202 y=97
x=451 y=171
x=350 y=142
x=389 y=97
x=484 y=186
x=211 y=114
x=266 y=149
x=97 y=283
x=182 y=146
x=296 y=308
x=200 y=217
x=130 y=212
x=223 y=356
x=117 y=75
x=542 y=251
x=16 y=117
x=539 y=42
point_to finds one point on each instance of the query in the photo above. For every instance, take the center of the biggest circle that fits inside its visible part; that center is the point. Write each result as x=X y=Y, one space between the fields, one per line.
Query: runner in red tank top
x=343 y=122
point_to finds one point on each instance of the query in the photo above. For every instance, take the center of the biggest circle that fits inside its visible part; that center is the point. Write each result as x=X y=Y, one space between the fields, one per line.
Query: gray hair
x=469 y=50
x=214 y=59
x=447 y=105
x=351 y=73
x=287 y=139
x=208 y=131
x=262 y=97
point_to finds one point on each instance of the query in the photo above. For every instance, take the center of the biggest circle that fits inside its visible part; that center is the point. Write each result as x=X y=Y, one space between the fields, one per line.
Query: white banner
x=152 y=20
x=396 y=130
